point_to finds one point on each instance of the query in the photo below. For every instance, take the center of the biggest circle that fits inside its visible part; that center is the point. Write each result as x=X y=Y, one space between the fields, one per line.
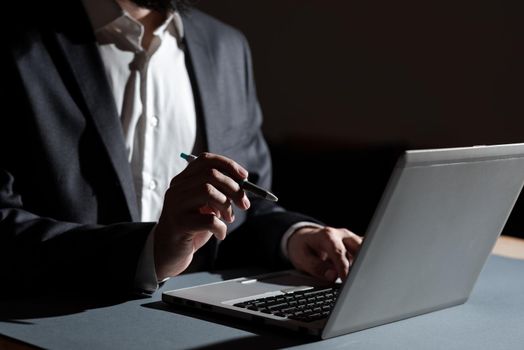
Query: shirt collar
x=103 y=13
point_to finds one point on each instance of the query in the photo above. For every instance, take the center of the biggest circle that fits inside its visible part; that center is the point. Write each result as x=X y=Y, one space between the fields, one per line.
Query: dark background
x=346 y=85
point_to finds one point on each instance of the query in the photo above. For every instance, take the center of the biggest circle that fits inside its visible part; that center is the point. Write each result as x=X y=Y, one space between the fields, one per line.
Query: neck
x=150 y=19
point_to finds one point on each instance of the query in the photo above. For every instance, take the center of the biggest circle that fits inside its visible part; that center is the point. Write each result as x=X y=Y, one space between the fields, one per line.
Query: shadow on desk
x=264 y=336
x=21 y=310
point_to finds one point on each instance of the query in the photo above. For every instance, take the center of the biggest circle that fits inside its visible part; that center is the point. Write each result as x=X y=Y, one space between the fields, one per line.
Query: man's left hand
x=324 y=252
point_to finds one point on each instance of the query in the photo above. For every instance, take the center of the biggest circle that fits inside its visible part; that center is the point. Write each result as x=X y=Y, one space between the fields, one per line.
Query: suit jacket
x=68 y=211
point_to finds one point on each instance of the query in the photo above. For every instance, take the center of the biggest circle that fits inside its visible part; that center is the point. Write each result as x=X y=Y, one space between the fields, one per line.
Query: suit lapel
x=202 y=67
x=78 y=45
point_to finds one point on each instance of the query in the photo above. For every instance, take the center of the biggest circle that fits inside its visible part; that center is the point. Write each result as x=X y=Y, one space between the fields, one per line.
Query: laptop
x=433 y=230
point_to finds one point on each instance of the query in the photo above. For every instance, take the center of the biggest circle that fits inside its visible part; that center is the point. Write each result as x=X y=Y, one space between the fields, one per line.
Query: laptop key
x=277 y=306
x=318 y=292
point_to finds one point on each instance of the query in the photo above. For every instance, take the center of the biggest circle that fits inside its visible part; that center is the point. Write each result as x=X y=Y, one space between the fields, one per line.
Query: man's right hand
x=197 y=201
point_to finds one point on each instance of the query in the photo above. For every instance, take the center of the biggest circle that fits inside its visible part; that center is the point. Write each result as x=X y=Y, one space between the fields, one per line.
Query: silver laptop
x=430 y=236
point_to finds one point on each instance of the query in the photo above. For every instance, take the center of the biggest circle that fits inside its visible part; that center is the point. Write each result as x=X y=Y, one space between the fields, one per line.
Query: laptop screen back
x=434 y=228
x=432 y=232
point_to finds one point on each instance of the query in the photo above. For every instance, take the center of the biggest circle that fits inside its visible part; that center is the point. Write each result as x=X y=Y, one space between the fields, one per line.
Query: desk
x=493 y=318
x=509 y=247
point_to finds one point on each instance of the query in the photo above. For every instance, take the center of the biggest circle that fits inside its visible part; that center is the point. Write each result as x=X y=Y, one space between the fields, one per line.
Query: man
x=93 y=193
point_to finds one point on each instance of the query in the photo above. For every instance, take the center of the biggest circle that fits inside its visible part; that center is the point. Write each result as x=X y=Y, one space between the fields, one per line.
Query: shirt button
x=154 y=121
x=152 y=185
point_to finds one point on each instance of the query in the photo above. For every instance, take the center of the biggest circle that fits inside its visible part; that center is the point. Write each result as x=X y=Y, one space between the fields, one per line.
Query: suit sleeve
x=257 y=241
x=48 y=255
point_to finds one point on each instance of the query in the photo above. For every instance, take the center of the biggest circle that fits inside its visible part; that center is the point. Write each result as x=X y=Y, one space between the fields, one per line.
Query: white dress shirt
x=155 y=102
x=153 y=97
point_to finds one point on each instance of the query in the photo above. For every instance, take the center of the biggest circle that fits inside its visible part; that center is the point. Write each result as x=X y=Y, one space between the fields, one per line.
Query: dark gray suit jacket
x=68 y=209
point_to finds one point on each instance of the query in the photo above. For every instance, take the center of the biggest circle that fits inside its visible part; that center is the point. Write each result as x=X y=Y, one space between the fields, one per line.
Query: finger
x=352 y=241
x=317 y=267
x=209 y=210
x=207 y=222
x=339 y=261
x=229 y=187
x=335 y=249
x=224 y=164
x=324 y=270
x=208 y=196
x=352 y=244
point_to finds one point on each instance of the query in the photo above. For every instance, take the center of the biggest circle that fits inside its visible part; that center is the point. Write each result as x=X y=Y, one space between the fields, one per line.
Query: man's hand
x=326 y=252
x=195 y=204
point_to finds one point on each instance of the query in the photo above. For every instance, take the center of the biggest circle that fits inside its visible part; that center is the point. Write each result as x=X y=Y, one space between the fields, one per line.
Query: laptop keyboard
x=306 y=306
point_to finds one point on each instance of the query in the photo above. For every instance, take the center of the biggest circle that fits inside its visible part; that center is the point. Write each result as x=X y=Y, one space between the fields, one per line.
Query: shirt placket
x=150 y=190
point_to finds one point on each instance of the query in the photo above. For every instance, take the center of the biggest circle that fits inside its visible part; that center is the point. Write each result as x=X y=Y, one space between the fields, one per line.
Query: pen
x=244 y=184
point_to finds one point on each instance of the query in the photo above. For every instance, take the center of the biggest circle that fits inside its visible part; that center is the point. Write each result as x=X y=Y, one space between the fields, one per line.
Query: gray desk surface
x=493 y=318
